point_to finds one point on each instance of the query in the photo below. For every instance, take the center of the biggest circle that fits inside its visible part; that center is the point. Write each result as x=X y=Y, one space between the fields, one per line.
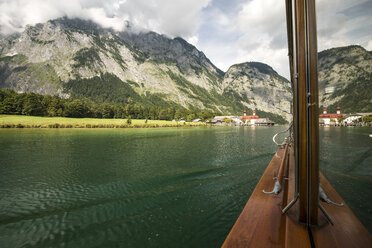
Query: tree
x=33 y=105
x=227 y=120
x=154 y=113
x=190 y=117
x=19 y=102
x=54 y=107
x=118 y=111
x=76 y=108
x=7 y=106
x=206 y=114
x=180 y=113
x=163 y=114
x=107 y=111
x=172 y=112
x=95 y=110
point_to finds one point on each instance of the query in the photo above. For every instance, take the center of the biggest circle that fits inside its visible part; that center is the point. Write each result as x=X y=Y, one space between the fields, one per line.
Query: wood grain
x=296 y=235
x=262 y=224
x=347 y=230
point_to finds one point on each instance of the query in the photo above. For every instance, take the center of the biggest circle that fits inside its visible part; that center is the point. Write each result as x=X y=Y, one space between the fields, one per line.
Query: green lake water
x=177 y=187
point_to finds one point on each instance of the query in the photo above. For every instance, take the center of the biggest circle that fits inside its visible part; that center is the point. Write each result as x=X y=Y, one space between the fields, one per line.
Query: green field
x=21 y=121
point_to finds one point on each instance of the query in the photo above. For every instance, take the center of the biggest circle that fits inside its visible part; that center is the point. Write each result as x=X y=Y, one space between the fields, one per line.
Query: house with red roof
x=250 y=119
x=330 y=119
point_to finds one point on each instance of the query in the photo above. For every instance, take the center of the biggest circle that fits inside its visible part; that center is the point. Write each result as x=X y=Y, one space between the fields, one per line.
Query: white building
x=351 y=118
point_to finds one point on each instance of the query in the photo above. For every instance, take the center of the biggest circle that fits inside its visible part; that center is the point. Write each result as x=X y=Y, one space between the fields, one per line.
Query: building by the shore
x=331 y=119
x=255 y=120
x=338 y=119
x=264 y=122
x=356 y=119
x=245 y=120
x=250 y=119
x=352 y=118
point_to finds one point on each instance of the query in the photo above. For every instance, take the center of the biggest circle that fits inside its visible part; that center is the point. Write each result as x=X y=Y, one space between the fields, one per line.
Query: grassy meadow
x=21 y=121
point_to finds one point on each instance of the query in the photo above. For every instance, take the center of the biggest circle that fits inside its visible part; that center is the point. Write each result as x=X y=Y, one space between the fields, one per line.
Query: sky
x=227 y=31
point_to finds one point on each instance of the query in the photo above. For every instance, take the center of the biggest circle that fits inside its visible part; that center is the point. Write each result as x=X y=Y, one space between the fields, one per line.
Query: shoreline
x=20 y=121
x=56 y=125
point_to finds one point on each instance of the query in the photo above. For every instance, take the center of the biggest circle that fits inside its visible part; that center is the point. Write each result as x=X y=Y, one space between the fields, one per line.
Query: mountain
x=259 y=87
x=345 y=79
x=73 y=58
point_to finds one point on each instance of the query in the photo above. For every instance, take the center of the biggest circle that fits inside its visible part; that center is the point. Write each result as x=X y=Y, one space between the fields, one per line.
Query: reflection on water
x=346 y=160
x=130 y=188
x=150 y=187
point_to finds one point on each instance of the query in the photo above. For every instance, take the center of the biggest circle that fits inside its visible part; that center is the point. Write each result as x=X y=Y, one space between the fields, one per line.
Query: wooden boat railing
x=263 y=224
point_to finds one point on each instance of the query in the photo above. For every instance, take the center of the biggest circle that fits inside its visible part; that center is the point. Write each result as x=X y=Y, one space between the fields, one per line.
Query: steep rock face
x=345 y=79
x=190 y=61
x=76 y=58
x=260 y=87
x=68 y=50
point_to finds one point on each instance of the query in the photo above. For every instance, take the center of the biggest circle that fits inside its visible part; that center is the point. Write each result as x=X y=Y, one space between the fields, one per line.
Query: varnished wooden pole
x=301 y=110
x=289 y=21
x=307 y=111
x=314 y=115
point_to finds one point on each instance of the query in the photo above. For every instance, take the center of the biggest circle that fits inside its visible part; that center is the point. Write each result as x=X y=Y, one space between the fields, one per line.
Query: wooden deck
x=262 y=224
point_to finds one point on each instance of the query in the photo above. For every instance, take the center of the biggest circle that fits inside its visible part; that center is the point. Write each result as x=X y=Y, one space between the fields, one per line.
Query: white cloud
x=222 y=55
x=336 y=26
x=263 y=29
x=174 y=18
x=263 y=39
x=219 y=32
x=369 y=45
x=16 y=14
x=193 y=40
x=228 y=31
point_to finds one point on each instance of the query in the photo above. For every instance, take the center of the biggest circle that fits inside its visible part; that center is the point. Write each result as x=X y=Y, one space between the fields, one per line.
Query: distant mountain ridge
x=345 y=79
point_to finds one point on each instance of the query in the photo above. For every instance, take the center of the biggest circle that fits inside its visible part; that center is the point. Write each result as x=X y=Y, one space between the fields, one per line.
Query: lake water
x=152 y=187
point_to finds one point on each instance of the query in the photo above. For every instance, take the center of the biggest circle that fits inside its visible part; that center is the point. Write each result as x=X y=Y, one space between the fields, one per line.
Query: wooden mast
x=306 y=114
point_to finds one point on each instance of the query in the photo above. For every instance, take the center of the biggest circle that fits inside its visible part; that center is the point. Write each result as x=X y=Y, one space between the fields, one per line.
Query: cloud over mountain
x=227 y=31
x=174 y=18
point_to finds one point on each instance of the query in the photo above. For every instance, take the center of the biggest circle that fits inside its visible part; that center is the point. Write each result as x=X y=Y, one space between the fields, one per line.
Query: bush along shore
x=19 y=121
